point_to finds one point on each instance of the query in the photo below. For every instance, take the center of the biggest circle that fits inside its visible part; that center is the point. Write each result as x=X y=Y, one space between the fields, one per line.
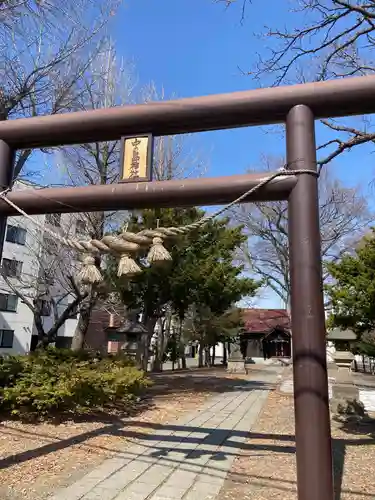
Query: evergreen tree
x=202 y=271
x=353 y=293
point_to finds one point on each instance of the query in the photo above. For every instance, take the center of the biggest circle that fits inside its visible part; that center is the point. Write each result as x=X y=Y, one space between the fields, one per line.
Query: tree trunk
x=355 y=365
x=182 y=341
x=59 y=321
x=183 y=360
x=145 y=351
x=200 y=355
x=207 y=357
x=157 y=365
x=43 y=343
x=213 y=355
x=42 y=337
x=160 y=347
x=78 y=341
x=140 y=351
x=225 y=355
x=164 y=334
x=96 y=232
x=144 y=343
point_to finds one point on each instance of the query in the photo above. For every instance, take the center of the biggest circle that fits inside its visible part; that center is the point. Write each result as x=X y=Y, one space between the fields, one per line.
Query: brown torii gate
x=298 y=107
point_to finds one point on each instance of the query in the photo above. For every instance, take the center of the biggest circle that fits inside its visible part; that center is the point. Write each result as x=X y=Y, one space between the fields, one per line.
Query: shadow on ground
x=160 y=439
x=213 y=381
x=120 y=422
x=158 y=444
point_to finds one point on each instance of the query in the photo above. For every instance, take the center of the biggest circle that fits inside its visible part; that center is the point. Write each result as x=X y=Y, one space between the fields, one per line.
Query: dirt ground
x=38 y=458
x=267 y=470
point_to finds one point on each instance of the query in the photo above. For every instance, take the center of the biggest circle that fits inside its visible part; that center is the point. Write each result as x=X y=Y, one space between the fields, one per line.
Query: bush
x=59 y=381
x=10 y=368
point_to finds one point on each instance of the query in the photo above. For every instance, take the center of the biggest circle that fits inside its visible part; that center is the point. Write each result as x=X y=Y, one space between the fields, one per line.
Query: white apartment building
x=36 y=265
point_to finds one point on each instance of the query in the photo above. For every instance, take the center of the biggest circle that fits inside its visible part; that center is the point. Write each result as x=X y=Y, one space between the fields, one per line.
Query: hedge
x=59 y=380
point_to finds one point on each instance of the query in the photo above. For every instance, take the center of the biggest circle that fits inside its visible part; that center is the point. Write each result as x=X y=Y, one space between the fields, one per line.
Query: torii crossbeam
x=298 y=107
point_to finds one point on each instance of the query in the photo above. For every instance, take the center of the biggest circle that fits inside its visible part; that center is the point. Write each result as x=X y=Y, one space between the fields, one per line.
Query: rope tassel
x=89 y=274
x=128 y=242
x=127 y=266
x=158 y=254
x=119 y=246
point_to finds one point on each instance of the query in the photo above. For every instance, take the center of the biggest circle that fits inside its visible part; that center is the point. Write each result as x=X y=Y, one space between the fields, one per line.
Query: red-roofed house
x=267 y=333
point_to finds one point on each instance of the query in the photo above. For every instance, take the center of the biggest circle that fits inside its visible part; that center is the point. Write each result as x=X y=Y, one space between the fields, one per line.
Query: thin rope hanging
x=127 y=243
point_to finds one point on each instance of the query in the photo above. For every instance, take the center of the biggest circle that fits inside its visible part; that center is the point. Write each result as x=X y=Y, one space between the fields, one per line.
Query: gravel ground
x=36 y=459
x=266 y=471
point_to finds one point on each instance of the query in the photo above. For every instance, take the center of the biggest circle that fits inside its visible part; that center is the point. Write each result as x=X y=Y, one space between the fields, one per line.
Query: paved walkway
x=188 y=460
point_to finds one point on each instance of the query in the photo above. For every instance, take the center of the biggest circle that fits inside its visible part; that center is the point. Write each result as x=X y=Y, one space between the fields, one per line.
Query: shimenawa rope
x=127 y=243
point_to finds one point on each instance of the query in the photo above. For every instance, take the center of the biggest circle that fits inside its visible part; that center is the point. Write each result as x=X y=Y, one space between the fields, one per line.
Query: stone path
x=188 y=460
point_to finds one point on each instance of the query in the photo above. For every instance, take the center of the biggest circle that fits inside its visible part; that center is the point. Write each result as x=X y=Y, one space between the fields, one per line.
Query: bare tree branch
x=344 y=218
x=44 y=281
x=323 y=39
x=46 y=48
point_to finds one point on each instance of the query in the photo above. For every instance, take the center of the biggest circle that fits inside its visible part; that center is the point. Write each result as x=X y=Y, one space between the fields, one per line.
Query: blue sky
x=197 y=47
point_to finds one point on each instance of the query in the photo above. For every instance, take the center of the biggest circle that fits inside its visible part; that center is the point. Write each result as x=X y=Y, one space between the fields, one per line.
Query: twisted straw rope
x=127 y=242
x=262 y=183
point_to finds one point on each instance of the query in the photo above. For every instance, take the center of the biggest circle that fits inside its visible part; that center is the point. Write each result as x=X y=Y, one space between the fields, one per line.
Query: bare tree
x=12 y=10
x=45 y=51
x=52 y=58
x=344 y=218
x=44 y=276
x=322 y=39
x=111 y=83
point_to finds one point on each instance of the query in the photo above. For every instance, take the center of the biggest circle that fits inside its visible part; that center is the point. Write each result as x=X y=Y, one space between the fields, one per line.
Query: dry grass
x=267 y=472
x=36 y=459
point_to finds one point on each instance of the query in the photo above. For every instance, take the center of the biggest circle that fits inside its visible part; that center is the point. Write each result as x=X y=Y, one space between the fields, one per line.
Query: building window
x=81 y=227
x=12 y=268
x=8 y=302
x=16 y=234
x=6 y=338
x=53 y=219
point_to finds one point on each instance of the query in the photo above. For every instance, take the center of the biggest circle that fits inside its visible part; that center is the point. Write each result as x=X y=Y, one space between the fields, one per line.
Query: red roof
x=265 y=320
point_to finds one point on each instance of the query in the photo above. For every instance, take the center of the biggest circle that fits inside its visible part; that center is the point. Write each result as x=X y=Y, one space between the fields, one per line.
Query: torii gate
x=298 y=107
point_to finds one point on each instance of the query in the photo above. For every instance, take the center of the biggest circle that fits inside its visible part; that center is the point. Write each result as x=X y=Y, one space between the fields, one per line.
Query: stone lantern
x=236 y=361
x=128 y=334
x=344 y=341
x=344 y=390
